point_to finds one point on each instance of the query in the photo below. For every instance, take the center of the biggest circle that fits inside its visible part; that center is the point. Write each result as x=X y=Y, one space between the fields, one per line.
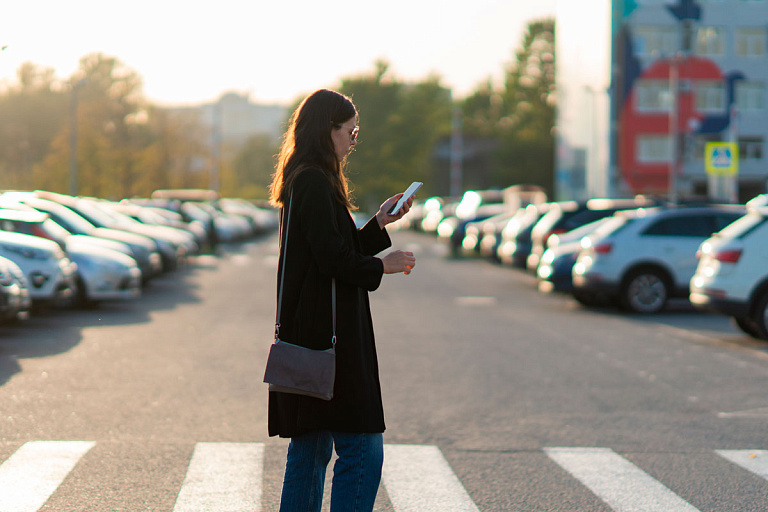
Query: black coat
x=323 y=242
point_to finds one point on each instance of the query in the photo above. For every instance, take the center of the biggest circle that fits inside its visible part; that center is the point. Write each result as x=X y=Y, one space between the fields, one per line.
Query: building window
x=700 y=144
x=654 y=149
x=652 y=96
x=750 y=41
x=655 y=40
x=751 y=148
x=710 y=41
x=750 y=96
x=710 y=96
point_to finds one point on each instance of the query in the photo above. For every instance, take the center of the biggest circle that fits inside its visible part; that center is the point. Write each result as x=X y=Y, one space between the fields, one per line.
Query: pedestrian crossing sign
x=722 y=158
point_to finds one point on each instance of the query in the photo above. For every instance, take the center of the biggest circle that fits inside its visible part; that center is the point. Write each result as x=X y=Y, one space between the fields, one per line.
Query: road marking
x=475 y=301
x=754 y=461
x=616 y=481
x=225 y=477
x=749 y=413
x=419 y=479
x=32 y=474
x=241 y=260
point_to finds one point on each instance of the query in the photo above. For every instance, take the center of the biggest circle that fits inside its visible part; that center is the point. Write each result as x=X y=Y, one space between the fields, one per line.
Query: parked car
x=157 y=216
x=143 y=249
x=453 y=228
x=15 y=302
x=170 y=246
x=51 y=275
x=567 y=215
x=554 y=272
x=477 y=230
x=643 y=257
x=515 y=244
x=104 y=272
x=732 y=274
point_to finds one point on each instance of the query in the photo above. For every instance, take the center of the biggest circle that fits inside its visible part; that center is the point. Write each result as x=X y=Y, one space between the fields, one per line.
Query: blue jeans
x=356 y=473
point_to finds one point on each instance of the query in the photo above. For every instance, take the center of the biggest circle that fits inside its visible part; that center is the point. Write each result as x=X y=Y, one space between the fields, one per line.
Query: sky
x=276 y=51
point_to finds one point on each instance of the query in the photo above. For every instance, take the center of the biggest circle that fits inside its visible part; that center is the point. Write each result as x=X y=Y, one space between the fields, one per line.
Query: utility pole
x=674 y=132
x=457 y=153
x=73 y=125
x=216 y=136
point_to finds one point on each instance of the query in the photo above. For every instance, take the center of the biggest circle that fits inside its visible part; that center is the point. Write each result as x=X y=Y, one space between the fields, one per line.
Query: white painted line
x=754 y=461
x=618 y=482
x=419 y=479
x=225 y=477
x=32 y=474
x=749 y=413
x=475 y=301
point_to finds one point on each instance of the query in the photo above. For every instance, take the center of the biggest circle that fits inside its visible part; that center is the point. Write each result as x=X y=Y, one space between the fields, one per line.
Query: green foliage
x=399 y=126
x=520 y=117
x=252 y=169
x=127 y=147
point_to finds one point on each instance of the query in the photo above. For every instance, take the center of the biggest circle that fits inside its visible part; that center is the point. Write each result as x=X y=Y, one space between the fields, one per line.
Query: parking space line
x=31 y=475
x=616 y=481
x=225 y=477
x=419 y=479
x=754 y=461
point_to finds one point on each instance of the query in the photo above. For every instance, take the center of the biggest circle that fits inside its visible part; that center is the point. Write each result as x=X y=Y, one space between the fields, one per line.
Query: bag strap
x=282 y=278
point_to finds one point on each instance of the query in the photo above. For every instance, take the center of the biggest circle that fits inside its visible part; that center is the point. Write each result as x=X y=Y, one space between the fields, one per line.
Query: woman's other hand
x=384 y=218
x=399 y=261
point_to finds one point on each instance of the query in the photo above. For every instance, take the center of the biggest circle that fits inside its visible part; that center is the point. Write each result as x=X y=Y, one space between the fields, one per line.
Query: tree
x=399 y=126
x=31 y=113
x=520 y=117
x=252 y=169
x=125 y=147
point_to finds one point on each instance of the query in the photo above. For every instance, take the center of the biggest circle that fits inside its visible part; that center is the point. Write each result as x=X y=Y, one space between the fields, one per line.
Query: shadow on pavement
x=56 y=330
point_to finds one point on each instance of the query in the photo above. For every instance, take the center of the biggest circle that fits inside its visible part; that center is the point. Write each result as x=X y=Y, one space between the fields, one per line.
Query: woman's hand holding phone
x=396 y=206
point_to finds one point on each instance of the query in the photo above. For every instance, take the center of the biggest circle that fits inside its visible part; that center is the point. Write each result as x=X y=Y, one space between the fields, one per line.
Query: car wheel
x=645 y=292
x=760 y=316
x=747 y=326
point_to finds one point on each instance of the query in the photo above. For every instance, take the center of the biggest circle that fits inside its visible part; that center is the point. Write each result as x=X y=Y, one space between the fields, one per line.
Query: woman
x=324 y=243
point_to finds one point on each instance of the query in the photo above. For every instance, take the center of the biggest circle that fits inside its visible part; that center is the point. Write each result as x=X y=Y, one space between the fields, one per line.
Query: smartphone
x=409 y=192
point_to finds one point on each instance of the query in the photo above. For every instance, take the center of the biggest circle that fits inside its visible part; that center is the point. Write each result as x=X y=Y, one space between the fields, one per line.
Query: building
x=644 y=86
x=233 y=119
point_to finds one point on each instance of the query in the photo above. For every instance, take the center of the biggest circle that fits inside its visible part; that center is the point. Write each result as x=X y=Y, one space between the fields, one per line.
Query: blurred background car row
x=634 y=254
x=69 y=252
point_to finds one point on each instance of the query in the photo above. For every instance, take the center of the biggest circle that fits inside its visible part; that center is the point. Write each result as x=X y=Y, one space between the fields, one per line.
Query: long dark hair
x=308 y=143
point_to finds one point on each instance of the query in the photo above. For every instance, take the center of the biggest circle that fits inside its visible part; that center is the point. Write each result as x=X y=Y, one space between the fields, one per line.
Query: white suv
x=641 y=258
x=732 y=276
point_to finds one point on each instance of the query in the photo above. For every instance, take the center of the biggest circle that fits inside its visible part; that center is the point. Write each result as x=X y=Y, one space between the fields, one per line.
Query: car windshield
x=612 y=225
x=63 y=215
x=55 y=229
x=94 y=214
x=742 y=226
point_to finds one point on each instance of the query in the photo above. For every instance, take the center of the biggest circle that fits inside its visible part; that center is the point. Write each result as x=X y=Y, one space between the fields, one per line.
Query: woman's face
x=344 y=138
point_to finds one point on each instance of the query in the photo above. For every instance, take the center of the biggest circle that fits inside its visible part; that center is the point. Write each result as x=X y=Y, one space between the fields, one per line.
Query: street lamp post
x=73 y=125
x=674 y=91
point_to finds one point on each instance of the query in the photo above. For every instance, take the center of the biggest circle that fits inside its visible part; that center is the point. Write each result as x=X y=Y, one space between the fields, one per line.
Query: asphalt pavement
x=497 y=398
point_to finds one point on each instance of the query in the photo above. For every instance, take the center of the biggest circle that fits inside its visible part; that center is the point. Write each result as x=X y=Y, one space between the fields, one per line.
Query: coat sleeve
x=334 y=254
x=373 y=239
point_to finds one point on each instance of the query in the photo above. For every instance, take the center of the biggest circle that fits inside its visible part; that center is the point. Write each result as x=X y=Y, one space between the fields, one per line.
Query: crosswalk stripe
x=32 y=474
x=225 y=477
x=418 y=479
x=618 y=482
x=754 y=461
